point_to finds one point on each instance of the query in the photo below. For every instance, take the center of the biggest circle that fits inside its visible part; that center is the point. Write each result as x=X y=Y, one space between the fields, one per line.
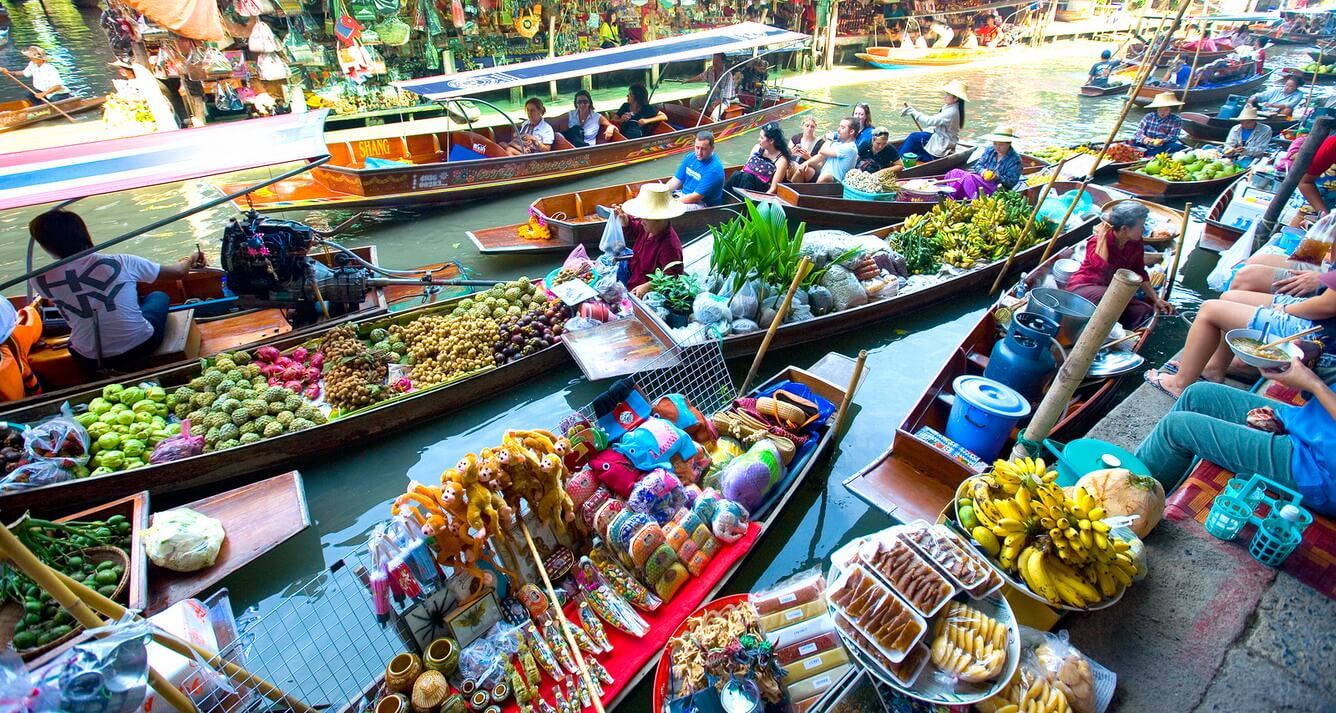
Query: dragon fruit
x=318 y=361
x=300 y=355
x=294 y=373
x=312 y=373
x=275 y=381
x=403 y=385
x=267 y=354
x=294 y=386
x=312 y=392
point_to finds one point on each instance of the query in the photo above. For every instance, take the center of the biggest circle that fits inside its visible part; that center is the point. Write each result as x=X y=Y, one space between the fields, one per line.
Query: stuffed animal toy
x=723 y=450
x=677 y=410
x=658 y=495
x=582 y=486
x=691 y=470
x=747 y=478
x=653 y=444
x=615 y=471
x=620 y=408
x=586 y=440
x=443 y=515
x=726 y=519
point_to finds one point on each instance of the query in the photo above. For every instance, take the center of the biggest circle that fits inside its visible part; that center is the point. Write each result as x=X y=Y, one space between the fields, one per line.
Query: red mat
x=1313 y=563
x=630 y=654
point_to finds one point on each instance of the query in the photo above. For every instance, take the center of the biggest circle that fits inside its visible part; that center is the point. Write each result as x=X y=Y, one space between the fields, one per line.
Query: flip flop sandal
x=1155 y=382
x=1170 y=367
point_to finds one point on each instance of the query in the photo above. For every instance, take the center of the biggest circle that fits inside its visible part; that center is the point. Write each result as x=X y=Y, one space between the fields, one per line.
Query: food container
x=817 y=663
x=793 y=615
x=1070 y=311
x=815 y=686
x=943 y=548
x=909 y=574
x=1064 y=269
x=800 y=632
x=817 y=644
x=984 y=414
x=881 y=611
x=1247 y=357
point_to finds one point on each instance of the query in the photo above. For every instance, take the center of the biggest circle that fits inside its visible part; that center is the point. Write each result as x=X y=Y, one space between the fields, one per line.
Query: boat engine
x=268 y=264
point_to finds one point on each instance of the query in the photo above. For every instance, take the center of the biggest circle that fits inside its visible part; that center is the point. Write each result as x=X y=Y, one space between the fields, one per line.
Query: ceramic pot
x=402 y=672
x=429 y=692
x=454 y=704
x=393 y=703
x=442 y=655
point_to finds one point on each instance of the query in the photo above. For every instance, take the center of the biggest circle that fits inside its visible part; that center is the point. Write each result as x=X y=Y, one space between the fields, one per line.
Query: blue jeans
x=154 y=307
x=914 y=144
x=1208 y=422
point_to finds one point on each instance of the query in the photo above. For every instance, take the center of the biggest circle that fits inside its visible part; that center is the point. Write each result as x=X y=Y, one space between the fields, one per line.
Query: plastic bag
x=262 y=39
x=1316 y=243
x=578 y=259
x=609 y=289
x=182 y=445
x=575 y=324
x=37 y=472
x=708 y=309
x=183 y=540
x=742 y=326
x=656 y=302
x=1231 y=260
x=798 y=313
x=746 y=302
x=107 y=675
x=271 y=67
x=1067 y=669
x=18 y=688
x=845 y=288
x=613 y=241
x=806 y=586
x=59 y=438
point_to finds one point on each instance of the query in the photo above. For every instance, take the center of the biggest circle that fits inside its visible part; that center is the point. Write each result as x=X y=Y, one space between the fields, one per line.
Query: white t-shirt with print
x=102 y=288
x=543 y=131
x=44 y=76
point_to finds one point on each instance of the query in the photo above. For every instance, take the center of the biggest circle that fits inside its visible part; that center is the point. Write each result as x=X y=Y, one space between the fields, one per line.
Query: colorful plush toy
x=747 y=478
x=653 y=443
x=727 y=520
x=691 y=470
x=615 y=471
x=586 y=440
x=677 y=410
x=658 y=495
x=442 y=514
x=721 y=452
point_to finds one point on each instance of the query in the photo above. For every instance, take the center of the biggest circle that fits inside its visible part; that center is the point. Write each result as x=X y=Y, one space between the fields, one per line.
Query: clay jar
x=402 y=672
x=442 y=655
x=393 y=703
x=429 y=692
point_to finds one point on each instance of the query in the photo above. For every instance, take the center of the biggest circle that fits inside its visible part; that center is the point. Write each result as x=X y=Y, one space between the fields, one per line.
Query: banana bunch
x=969 y=644
x=1039 y=696
x=1053 y=579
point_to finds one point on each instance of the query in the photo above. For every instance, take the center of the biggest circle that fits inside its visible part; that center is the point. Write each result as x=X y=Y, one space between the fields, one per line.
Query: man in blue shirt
x=699 y=181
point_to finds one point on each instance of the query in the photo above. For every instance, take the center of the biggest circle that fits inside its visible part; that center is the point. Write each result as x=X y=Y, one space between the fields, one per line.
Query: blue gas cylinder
x=1233 y=105
x=1023 y=359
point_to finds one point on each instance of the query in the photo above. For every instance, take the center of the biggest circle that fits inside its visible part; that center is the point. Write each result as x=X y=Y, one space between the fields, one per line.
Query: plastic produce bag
x=798 y=313
x=845 y=288
x=1231 y=260
x=745 y=302
x=182 y=445
x=183 y=540
x=38 y=471
x=577 y=323
x=609 y=289
x=709 y=309
x=103 y=675
x=742 y=326
x=657 y=303
x=18 y=690
x=58 y=438
x=613 y=241
x=578 y=259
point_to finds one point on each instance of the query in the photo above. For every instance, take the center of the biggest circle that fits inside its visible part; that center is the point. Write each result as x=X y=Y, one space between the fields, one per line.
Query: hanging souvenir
x=270 y=67
x=457 y=13
x=393 y=32
x=529 y=23
x=386 y=7
x=363 y=10
x=248 y=8
x=262 y=38
x=347 y=29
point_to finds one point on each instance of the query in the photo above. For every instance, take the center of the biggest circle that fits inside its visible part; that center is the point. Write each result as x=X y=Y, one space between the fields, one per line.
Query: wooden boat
x=1146 y=186
x=1202 y=95
x=209 y=327
x=270 y=455
x=915 y=480
x=1207 y=126
x=1309 y=77
x=1218 y=236
x=1090 y=90
x=894 y=57
x=25 y=112
x=568 y=231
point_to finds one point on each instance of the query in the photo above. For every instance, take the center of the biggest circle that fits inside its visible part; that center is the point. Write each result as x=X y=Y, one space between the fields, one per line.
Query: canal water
x=348 y=495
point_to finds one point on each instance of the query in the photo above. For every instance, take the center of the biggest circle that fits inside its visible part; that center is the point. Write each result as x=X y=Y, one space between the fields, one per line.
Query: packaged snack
x=908 y=573
x=969 y=645
x=788 y=617
x=905 y=671
x=809 y=688
x=800 y=632
x=799 y=589
x=961 y=564
x=816 y=664
x=880 y=615
x=1068 y=670
x=809 y=647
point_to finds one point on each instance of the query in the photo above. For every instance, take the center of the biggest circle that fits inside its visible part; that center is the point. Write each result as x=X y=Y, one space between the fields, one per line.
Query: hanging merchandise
x=226 y=99
x=289 y=7
x=271 y=67
x=393 y=32
x=262 y=38
x=529 y=23
x=354 y=62
x=386 y=7
x=429 y=19
x=363 y=10
x=301 y=51
x=347 y=29
x=248 y=8
x=457 y=14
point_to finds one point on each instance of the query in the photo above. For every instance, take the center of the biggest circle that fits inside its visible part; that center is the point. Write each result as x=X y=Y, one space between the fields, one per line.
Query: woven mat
x=1313 y=563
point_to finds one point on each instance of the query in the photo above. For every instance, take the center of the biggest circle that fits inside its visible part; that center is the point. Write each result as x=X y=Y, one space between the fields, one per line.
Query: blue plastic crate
x=1258 y=501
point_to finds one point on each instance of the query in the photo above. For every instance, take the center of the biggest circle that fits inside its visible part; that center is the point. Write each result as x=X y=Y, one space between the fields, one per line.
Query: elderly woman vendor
x=1117 y=244
x=649 y=232
x=998 y=167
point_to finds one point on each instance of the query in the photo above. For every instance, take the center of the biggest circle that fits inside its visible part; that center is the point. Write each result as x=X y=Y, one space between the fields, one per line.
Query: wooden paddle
x=1290 y=338
x=34 y=92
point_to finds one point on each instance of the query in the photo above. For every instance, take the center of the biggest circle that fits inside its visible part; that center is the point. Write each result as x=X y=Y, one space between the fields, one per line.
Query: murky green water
x=348 y=495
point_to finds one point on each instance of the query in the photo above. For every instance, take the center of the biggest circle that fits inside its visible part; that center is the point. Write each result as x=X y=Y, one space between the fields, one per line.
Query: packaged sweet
x=183 y=540
x=182 y=445
x=802 y=631
x=793 y=615
x=943 y=547
x=824 y=641
x=659 y=495
x=880 y=615
x=813 y=687
x=815 y=664
x=909 y=573
x=801 y=588
x=1068 y=670
x=969 y=645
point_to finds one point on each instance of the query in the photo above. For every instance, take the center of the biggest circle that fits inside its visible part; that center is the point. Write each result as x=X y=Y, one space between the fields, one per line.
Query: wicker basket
x=92 y=554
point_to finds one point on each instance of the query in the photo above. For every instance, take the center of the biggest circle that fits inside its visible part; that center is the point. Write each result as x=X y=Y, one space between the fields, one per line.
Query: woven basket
x=92 y=554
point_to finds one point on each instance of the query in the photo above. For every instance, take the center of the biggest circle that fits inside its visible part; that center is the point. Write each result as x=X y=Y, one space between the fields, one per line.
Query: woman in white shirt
x=534 y=135
x=582 y=122
x=46 y=81
x=941 y=130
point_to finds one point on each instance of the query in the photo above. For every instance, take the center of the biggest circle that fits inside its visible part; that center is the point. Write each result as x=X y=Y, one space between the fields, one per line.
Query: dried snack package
x=1087 y=686
x=908 y=573
x=58 y=438
x=968 y=647
x=801 y=588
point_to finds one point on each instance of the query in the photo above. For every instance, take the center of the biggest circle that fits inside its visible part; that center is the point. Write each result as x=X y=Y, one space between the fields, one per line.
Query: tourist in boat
x=879 y=153
x=1100 y=71
x=1323 y=160
x=998 y=167
x=723 y=91
x=989 y=33
x=968 y=40
x=838 y=156
x=1159 y=131
x=646 y=222
x=1178 y=75
x=943 y=32
x=1244 y=432
x=582 y=122
x=1117 y=244
x=1282 y=100
x=637 y=114
x=862 y=123
x=768 y=165
x=19 y=331
x=943 y=127
x=46 y=81
x=1248 y=140
x=916 y=39
x=609 y=31
x=804 y=146
x=1207 y=357
x=97 y=295
x=535 y=135
x=699 y=181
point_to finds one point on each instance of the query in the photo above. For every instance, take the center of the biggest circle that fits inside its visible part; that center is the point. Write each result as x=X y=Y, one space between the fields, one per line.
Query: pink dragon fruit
x=267 y=354
x=294 y=373
x=403 y=384
x=312 y=374
x=275 y=381
x=318 y=361
x=312 y=392
x=294 y=386
x=300 y=355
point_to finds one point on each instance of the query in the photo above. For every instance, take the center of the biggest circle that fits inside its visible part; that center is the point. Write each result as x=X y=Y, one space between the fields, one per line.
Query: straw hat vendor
x=998 y=167
x=46 y=81
x=1159 y=130
x=646 y=223
x=1248 y=140
x=943 y=128
x=1117 y=244
x=19 y=330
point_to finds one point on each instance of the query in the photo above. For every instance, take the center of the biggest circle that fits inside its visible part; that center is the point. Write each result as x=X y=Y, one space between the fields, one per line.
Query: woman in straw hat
x=46 y=81
x=1248 y=140
x=19 y=330
x=1159 y=130
x=998 y=167
x=646 y=222
x=944 y=126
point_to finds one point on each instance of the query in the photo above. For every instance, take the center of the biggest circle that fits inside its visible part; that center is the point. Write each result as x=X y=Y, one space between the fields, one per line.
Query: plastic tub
x=1064 y=269
x=854 y=194
x=983 y=415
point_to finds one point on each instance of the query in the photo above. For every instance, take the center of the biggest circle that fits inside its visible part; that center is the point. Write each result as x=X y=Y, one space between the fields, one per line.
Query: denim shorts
x=1282 y=325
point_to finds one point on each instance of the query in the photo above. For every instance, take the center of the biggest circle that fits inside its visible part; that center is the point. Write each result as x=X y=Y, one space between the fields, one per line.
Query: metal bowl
x=1290 y=348
x=1064 y=269
x=1069 y=310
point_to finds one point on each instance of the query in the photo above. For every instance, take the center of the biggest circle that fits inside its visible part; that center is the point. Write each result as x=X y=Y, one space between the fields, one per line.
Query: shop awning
x=697 y=45
x=196 y=19
x=63 y=173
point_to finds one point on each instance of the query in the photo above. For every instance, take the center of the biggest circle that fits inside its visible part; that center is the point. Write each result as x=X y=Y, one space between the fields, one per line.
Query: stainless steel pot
x=1070 y=311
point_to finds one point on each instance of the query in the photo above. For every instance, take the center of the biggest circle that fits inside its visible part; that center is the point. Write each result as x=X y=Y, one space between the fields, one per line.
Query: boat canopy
x=1229 y=17
x=69 y=172
x=697 y=45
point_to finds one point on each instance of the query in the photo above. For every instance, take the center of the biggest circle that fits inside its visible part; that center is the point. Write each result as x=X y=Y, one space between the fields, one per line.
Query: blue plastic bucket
x=984 y=414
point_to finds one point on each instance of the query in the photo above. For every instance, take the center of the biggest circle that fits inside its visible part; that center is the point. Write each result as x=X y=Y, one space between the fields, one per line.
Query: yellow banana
x=1098 y=513
x=1023 y=498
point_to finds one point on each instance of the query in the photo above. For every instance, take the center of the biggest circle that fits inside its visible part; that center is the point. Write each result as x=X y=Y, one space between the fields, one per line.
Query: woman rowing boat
x=945 y=126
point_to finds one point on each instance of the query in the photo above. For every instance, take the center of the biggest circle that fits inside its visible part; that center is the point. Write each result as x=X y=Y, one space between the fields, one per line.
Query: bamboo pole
x=1074 y=368
x=46 y=578
x=561 y=619
x=804 y=267
x=112 y=610
x=1192 y=73
x=48 y=102
x=1178 y=253
x=849 y=392
x=1020 y=239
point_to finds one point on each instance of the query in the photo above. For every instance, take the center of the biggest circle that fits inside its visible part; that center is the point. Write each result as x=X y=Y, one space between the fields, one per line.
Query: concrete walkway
x=1209 y=629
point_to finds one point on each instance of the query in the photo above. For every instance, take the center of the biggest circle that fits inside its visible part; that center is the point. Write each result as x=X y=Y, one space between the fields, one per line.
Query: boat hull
x=444 y=183
x=1202 y=96
x=1218 y=236
x=1204 y=126
x=17 y=118
x=895 y=57
x=1310 y=77
x=1090 y=90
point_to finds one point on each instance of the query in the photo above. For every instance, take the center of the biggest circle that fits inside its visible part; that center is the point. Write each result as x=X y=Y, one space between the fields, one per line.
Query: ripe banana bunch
x=1053 y=579
x=1006 y=521
x=1010 y=473
x=969 y=644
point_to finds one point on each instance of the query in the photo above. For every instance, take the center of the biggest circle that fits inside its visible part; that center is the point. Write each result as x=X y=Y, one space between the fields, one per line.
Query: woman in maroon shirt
x=1117 y=244
x=650 y=235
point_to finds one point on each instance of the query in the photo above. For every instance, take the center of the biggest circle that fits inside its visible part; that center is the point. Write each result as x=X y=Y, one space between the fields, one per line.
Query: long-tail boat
x=1203 y=95
x=26 y=112
x=894 y=57
x=1208 y=126
x=913 y=479
x=449 y=163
